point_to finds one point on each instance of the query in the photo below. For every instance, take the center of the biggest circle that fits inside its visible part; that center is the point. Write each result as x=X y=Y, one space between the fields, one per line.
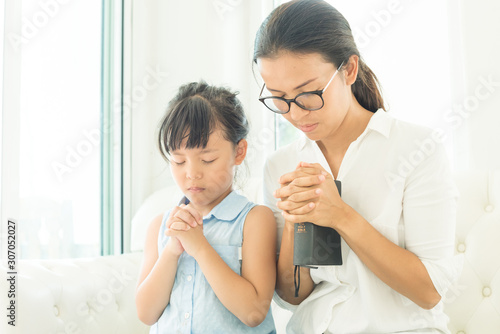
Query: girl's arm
x=247 y=296
x=157 y=274
x=156 y=277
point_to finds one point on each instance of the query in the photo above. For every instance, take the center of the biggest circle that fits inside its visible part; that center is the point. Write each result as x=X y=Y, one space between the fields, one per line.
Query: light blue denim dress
x=194 y=307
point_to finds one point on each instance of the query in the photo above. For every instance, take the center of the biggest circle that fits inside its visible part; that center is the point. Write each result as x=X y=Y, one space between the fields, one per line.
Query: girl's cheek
x=222 y=176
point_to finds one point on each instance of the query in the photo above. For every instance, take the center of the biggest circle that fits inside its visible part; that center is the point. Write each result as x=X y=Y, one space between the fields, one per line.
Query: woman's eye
x=208 y=161
x=178 y=163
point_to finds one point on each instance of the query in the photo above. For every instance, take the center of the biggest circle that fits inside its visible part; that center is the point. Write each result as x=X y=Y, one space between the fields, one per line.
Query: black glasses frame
x=294 y=100
x=289 y=101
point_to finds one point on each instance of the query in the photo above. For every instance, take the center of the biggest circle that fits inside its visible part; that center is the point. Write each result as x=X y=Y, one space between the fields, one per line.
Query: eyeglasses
x=307 y=100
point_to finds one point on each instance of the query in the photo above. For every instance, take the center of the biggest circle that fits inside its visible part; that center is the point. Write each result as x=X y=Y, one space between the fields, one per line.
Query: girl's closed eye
x=208 y=161
x=178 y=163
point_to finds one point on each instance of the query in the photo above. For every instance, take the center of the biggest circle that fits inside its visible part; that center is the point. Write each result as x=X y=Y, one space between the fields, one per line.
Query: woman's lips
x=308 y=127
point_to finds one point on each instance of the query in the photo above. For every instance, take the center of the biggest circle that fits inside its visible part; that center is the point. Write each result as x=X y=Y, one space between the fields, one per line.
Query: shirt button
x=186 y=315
x=461 y=247
x=486 y=291
x=189 y=278
x=489 y=208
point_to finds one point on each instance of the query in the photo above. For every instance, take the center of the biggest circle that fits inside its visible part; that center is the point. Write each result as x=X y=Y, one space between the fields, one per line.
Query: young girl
x=193 y=278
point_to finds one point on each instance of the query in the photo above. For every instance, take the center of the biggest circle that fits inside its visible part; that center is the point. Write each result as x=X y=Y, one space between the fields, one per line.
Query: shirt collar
x=228 y=209
x=380 y=122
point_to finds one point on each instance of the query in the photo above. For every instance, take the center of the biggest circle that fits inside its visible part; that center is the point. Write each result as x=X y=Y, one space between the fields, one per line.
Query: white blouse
x=397 y=176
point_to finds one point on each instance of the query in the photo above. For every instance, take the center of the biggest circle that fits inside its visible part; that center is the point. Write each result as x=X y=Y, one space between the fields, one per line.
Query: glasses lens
x=276 y=105
x=309 y=101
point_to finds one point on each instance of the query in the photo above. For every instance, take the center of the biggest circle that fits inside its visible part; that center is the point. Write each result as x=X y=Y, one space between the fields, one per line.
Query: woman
x=396 y=216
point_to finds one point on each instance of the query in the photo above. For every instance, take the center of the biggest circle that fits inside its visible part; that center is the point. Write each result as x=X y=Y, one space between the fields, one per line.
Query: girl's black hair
x=315 y=26
x=195 y=112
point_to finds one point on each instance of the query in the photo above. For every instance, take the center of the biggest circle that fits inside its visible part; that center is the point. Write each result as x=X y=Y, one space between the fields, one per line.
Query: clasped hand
x=309 y=194
x=185 y=229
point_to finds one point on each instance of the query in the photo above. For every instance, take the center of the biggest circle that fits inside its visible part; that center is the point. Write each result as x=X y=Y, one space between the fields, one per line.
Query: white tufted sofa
x=97 y=295
x=473 y=302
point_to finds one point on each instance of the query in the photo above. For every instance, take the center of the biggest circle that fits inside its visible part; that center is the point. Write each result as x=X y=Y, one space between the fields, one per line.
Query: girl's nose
x=193 y=174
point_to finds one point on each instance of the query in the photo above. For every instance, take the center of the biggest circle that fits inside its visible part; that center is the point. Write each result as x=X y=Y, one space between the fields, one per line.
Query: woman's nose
x=296 y=112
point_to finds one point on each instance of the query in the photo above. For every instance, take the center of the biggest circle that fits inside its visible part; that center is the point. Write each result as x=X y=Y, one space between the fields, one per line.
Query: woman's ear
x=351 y=70
x=241 y=151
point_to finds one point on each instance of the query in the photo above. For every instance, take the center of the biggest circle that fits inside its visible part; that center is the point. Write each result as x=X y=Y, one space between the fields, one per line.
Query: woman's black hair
x=195 y=112
x=314 y=26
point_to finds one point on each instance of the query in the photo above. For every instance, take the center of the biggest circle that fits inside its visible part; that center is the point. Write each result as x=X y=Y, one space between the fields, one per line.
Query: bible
x=315 y=246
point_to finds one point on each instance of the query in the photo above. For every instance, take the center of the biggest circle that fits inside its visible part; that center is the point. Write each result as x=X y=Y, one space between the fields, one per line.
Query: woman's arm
x=285 y=287
x=399 y=268
x=247 y=296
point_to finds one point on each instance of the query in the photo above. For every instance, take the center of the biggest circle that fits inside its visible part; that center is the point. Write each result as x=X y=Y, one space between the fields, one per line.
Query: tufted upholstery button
x=486 y=291
x=489 y=208
x=56 y=311
x=461 y=247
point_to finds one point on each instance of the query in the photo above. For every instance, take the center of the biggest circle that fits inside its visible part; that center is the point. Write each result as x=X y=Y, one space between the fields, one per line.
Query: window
x=68 y=130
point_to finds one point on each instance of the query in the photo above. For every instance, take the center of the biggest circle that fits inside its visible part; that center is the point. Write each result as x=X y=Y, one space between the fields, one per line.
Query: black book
x=316 y=245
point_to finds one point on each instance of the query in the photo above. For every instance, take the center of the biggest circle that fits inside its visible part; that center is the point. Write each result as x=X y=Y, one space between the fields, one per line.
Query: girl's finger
x=171 y=216
x=179 y=226
x=196 y=215
x=185 y=215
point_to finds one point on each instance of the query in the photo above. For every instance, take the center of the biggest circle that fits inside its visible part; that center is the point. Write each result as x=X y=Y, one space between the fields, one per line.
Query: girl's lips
x=308 y=127
x=195 y=189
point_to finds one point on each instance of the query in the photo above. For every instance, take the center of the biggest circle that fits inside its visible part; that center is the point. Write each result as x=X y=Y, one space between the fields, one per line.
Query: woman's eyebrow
x=299 y=86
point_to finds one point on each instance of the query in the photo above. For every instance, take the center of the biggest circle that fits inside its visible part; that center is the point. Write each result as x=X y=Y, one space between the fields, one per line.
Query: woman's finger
x=307 y=181
x=294 y=218
x=303 y=169
x=288 y=190
x=299 y=199
x=305 y=209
